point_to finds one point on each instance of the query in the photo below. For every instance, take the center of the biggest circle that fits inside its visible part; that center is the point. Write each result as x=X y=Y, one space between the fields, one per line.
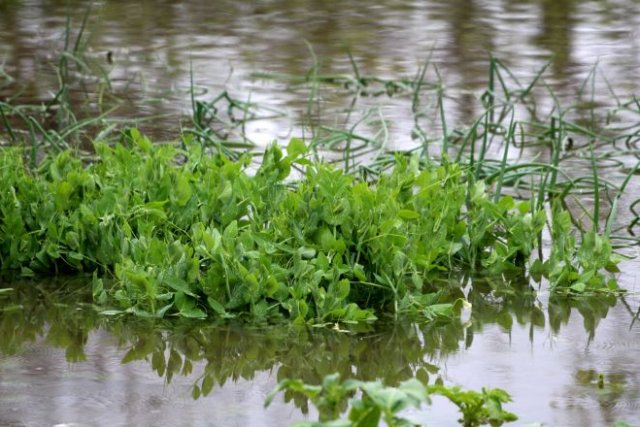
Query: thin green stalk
x=313 y=94
x=535 y=80
x=443 y=119
x=415 y=106
x=505 y=156
x=488 y=116
x=6 y=123
x=491 y=89
x=83 y=26
x=498 y=76
x=614 y=206
x=557 y=140
x=485 y=142
x=596 y=190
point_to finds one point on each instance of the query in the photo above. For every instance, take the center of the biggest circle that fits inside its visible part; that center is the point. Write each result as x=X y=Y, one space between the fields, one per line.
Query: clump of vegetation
x=377 y=402
x=186 y=232
x=196 y=232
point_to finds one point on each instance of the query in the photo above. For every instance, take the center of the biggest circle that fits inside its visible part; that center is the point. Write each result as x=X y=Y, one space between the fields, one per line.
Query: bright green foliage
x=329 y=398
x=377 y=403
x=478 y=408
x=194 y=234
x=576 y=268
x=502 y=235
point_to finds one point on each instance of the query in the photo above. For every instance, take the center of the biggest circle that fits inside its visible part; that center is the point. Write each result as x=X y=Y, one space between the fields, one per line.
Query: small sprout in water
x=600 y=381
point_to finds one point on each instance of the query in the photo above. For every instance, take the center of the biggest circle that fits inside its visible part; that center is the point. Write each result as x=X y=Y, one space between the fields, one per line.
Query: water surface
x=147 y=51
x=61 y=362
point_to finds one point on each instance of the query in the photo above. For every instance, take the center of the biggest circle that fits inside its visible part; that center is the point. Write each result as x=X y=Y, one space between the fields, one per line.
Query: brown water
x=60 y=364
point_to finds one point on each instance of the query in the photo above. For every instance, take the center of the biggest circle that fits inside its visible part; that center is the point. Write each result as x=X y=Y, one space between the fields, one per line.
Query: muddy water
x=61 y=362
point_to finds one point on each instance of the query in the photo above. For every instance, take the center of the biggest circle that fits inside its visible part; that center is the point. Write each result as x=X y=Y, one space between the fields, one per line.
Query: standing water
x=149 y=51
x=564 y=362
x=63 y=363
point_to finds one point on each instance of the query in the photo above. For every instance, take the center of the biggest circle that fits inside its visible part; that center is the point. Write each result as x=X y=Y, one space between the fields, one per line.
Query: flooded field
x=148 y=50
x=62 y=363
x=395 y=75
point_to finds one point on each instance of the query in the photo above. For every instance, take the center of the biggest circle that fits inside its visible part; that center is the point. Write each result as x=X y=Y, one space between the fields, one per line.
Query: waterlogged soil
x=62 y=363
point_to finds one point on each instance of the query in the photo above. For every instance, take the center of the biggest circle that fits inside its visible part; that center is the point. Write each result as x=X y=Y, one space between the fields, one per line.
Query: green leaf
x=141 y=141
x=207 y=385
x=75 y=255
x=177 y=284
x=408 y=214
x=506 y=203
x=158 y=363
x=306 y=252
x=343 y=289
x=578 y=287
x=73 y=240
x=537 y=270
x=216 y=306
x=227 y=192
x=478 y=192
x=182 y=191
x=296 y=148
x=423 y=376
x=187 y=307
x=363 y=415
x=439 y=311
x=195 y=392
x=230 y=233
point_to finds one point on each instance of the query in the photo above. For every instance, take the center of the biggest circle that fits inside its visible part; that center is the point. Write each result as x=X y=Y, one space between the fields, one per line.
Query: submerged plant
x=478 y=408
x=371 y=402
x=576 y=267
